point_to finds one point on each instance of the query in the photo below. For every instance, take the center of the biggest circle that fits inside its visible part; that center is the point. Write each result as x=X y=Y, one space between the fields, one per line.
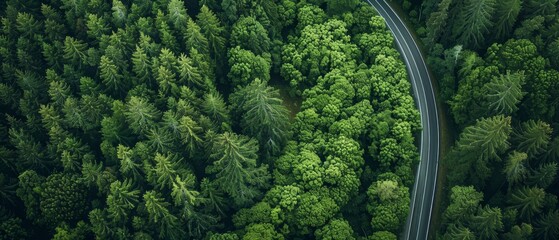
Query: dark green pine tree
x=177 y=14
x=75 y=51
x=487 y=223
x=515 y=168
x=459 y=233
x=111 y=76
x=264 y=117
x=212 y=29
x=547 y=227
x=235 y=167
x=473 y=22
x=506 y=15
x=532 y=137
x=215 y=108
x=544 y=175
x=529 y=201
x=437 y=21
x=141 y=65
x=477 y=146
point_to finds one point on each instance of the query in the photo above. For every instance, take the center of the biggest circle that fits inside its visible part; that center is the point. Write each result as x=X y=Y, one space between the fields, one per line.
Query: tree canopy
x=233 y=119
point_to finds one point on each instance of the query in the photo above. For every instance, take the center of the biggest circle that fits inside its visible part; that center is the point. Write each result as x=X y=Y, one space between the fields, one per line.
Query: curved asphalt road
x=421 y=206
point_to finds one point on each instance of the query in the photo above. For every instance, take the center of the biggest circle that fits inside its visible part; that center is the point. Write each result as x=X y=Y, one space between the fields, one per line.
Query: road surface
x=423 y=194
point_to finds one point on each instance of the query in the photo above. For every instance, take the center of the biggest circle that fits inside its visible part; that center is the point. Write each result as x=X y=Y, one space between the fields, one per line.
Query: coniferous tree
x=31 y=155
x=533 y=137
x=168 y=40
x=29 y=181
x=190 y=74
x=27 y=25
x=160 y=140
x=212 y=30
x=264 y=118
x=235 y=167
x=544 y=175
x=515 y=168
x=487 y=223
x=546 y=227
x=215 y=201
x=157 y=208
x=214 y=106
x=164 y=172
x=166 y=81
x=141 y=65
x=521 y=232
x=111 y=77
x=437 y=21
x=528 y=201
x=177 y=14
x=119 y=13
x=183 y=192
x=459 y=233
x=477 y=146
x=190 y=133
x=545 y=8
x=140 y=114
x=121 y=200
x=506 y=14
x=100 y=223
x=503 y=93
x=195 y=39
x=129 y=165
x=474 y=20
x=96 y=26
x=75 y=51
x=92 y=173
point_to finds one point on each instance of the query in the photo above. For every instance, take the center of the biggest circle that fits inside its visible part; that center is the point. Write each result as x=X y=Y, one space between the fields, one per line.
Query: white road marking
x=425 y=123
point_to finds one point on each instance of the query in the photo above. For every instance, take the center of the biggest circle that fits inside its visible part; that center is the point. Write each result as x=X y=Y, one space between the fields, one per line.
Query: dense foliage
x=496 y=64
x=162 y=119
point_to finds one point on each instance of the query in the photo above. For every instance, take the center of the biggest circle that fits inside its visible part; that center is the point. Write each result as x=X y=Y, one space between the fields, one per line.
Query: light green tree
x=140 y=114
x=121 y=200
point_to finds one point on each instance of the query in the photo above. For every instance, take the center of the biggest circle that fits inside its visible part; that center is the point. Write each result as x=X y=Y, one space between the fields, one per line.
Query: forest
x=260 y=119
x=497 y=67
